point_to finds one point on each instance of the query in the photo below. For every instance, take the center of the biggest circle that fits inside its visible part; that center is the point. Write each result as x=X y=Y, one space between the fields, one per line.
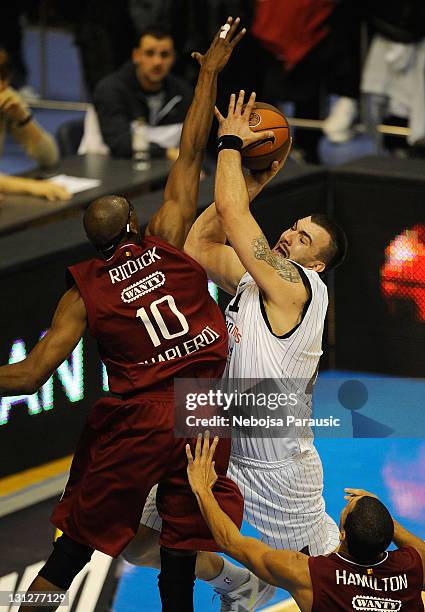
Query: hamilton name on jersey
x=375 y=583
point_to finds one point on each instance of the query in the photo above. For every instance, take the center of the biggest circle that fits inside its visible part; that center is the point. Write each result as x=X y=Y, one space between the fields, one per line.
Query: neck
x=148 y=86
x=342 y=550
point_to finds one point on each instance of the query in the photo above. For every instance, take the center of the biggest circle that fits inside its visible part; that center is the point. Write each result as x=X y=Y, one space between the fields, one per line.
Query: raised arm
x=172 y=222
x=283 y=568
x=206 y=241
x=67 y=328
x=278 y=279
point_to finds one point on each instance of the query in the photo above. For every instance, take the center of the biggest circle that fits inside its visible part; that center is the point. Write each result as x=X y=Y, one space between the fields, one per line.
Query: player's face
x=303 y=243
x=153 y=59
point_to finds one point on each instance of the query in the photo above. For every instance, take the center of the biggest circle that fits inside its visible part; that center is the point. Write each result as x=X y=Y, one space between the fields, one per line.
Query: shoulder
x=178 y=86
x=116 y=80
x=406 y=557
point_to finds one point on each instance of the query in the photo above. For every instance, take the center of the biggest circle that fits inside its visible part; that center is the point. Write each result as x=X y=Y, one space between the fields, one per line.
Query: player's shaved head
x=105 y=218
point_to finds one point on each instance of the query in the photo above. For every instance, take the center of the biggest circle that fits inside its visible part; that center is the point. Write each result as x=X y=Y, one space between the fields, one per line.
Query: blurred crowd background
x=350 y=74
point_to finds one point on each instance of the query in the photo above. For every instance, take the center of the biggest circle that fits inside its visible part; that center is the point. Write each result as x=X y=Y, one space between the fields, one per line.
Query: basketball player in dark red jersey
x=147 y=304
x=360 y=575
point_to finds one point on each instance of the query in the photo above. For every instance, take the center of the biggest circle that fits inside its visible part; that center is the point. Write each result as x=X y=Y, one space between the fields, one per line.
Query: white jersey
x=256 y=353
x=281 y=479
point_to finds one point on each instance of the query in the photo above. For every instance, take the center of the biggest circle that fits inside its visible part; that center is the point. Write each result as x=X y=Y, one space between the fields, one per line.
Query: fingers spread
x=234 y=27
x=197 y=56
x=250 y=104
x=263 y=135
x=218 y=115
x=239 y=103
x=212 y=449
x=198 y=446
x=232 y=100
x=189 y=454
x=206 y=445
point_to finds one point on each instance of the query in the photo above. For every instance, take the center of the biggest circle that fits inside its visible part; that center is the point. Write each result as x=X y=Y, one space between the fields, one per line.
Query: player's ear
x=317 y=266
x=342 y=535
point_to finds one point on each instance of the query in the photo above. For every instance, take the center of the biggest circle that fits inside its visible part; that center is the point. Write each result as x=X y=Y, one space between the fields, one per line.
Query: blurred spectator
x=394 y=72
x=316 y=44
x=177 y=17
x=105 y=35
x=34 y=187
x=17 y=119
x=11 y=38
x=144 y=88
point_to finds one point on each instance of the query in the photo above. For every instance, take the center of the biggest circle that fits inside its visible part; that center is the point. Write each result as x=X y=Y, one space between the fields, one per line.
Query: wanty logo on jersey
x=142 y=287
x=364 y=602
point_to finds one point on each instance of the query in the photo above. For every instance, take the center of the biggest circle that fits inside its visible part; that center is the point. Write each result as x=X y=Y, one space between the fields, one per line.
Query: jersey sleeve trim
x=73 y=277
x=288 y=334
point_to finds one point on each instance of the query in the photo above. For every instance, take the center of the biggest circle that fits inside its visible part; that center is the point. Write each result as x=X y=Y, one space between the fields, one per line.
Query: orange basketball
x=260 y=155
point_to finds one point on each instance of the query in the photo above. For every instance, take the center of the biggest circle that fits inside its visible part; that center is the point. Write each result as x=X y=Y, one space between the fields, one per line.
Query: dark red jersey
x=149 y=309
x=395 y=583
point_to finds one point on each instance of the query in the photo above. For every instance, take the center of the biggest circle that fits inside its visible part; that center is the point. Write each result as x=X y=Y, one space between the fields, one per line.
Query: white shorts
x=283 y=502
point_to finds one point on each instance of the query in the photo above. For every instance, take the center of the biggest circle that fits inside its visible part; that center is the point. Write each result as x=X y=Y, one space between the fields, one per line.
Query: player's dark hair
x=157 y=31
x=335 y=253
x=369 y=529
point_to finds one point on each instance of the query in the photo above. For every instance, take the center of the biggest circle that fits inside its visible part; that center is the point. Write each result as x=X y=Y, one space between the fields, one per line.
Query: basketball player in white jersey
x=275 y=325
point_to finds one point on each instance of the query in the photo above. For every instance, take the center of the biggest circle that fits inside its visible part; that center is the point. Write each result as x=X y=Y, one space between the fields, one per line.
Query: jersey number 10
x=157 y=316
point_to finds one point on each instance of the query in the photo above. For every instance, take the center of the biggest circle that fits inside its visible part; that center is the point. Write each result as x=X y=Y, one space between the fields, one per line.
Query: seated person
x=144 y=88
x=16 y=119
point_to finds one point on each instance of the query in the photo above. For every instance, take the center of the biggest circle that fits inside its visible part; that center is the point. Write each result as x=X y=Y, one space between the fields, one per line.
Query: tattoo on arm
x=284 y=268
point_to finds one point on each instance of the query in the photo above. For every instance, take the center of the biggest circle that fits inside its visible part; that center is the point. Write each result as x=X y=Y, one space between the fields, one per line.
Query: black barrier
x=26 y=540
x=46 y=426
x=380 y=290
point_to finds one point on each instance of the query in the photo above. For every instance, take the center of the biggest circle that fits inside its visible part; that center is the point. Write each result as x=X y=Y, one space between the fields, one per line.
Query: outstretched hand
x=256 y=180
x=237 y=121
x=200 y=470
x=350 y=493
x=221 y=47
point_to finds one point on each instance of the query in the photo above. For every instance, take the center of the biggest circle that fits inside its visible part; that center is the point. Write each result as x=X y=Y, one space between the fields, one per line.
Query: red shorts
x=126 y=447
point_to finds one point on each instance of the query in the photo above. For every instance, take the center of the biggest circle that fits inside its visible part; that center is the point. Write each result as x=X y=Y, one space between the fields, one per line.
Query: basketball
x=260 y=155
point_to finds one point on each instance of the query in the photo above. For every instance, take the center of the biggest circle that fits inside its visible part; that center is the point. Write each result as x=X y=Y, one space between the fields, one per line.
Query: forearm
x=231 y=194
x=38 y=144
x=207 y=229
x=403 y=537
x=197 y=124
x=16 y=379
x=16 y=184
x=224 y=531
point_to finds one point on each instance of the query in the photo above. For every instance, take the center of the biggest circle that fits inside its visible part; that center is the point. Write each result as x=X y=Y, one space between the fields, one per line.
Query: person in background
x=144 y=88
x=104 y=35
x=17 y=120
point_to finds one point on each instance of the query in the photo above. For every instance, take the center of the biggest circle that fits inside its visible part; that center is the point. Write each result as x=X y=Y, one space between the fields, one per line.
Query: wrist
x=202 y=491
x=229 y=141
x=25 y=120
